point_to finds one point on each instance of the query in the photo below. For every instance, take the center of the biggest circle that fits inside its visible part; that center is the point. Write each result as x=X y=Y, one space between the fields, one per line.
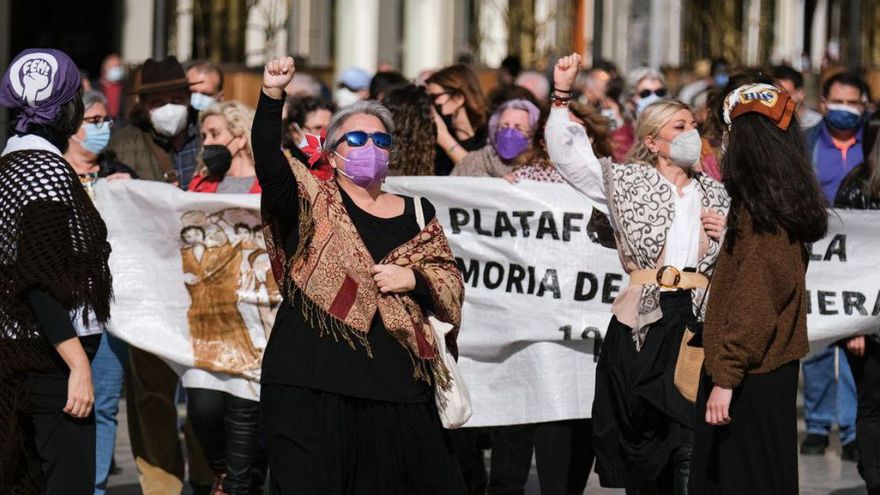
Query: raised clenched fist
x=565 y=71
x=276 y=75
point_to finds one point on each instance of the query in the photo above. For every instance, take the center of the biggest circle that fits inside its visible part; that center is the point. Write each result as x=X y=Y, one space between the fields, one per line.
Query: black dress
x=642 y=425
x=336 y=420
x=756 y=453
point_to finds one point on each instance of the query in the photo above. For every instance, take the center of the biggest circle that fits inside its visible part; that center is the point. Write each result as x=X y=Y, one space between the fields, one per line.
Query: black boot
x=814 y=444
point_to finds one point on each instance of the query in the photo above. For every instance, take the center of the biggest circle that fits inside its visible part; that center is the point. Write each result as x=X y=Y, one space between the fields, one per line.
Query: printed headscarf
x=37 y=83
x=765 y=99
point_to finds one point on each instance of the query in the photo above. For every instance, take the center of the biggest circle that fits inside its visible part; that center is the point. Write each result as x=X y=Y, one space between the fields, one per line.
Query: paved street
x=818 y=475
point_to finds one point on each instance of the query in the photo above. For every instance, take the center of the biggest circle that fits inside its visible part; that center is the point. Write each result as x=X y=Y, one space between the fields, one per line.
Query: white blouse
x=572 y=155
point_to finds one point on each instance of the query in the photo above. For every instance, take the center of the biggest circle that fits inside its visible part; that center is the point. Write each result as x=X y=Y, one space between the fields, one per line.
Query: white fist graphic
x=35 y=78
x=32 y=76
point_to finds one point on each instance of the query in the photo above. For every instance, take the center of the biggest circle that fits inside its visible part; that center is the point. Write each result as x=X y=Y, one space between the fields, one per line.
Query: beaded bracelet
x=559 y=101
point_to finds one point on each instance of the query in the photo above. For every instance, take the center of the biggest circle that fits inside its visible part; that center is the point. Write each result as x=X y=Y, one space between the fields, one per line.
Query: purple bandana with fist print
x=37 y=83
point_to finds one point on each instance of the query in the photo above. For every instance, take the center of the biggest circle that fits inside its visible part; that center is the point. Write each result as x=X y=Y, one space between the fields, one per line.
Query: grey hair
x=534 y=80
x=92 y=97
x=367 y=107
x=304 y=84
x=638 y=75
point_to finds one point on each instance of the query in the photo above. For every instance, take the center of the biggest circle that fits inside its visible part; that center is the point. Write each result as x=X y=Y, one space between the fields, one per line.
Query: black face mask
x=217 y=159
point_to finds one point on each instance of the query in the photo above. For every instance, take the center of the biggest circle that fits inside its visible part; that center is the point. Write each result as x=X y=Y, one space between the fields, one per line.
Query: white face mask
x=169 y=119
x=686 y=148
x=303 y=142
x=201 y=101
x=345 y=97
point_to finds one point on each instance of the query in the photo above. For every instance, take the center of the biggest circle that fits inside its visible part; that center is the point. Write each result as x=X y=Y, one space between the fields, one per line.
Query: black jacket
x=853 y=191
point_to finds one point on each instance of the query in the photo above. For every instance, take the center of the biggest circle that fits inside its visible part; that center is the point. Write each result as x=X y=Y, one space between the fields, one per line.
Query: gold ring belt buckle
x=675 y=272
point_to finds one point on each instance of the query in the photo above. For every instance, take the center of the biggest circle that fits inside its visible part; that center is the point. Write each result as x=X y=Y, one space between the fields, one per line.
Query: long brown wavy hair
x=414 y=131
x=460 y=80
x=767 y=171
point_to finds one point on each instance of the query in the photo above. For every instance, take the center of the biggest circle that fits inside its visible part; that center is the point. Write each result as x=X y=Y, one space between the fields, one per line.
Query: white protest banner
x=184 y=266
x=538 y=293
x=538 y=289
x=843 y=279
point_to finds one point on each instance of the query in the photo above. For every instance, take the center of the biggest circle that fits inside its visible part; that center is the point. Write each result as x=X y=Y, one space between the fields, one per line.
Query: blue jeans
x=829 y=398
x=107 y=374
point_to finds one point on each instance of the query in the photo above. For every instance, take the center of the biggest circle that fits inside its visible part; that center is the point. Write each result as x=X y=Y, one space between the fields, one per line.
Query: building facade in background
x=413 y=35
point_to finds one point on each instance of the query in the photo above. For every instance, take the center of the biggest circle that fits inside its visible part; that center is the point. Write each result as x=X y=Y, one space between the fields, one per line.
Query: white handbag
x=453 y=405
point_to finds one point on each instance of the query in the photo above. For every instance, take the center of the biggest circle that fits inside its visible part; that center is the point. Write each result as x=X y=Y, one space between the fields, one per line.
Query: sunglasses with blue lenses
x=359 y=138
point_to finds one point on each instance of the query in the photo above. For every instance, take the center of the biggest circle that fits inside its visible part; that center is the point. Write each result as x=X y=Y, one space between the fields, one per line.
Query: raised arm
x=273 y=171
x=568 y=145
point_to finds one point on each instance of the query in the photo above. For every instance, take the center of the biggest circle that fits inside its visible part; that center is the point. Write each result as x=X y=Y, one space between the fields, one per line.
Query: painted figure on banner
x=233 y=295
x=258 y=290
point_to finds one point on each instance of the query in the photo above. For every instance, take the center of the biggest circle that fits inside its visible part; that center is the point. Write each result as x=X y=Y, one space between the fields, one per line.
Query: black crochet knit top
x=51 y=239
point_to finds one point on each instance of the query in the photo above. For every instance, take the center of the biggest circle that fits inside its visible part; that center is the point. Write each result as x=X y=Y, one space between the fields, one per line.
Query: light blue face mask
x=201 y=101
x=644 y=102
x=116 y=74
x=96 y=139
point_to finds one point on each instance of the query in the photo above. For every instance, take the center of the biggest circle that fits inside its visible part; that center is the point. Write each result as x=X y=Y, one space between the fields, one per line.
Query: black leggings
x=62 y=447
x=866 y=372
x=65 y=445
x=563 y=455
x=228 y=429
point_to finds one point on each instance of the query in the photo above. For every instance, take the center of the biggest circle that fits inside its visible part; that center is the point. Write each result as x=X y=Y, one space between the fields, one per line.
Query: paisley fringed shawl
x=330 y=270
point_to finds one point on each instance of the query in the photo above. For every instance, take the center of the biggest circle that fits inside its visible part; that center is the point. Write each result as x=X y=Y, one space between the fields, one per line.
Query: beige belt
x=669 y=277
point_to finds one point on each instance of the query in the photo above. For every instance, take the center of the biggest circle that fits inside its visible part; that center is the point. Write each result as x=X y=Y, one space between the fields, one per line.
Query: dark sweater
x=756 y=319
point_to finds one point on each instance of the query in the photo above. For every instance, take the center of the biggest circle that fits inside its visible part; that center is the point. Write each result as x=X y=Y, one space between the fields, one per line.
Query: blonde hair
x=651 y=120
x=238 y=117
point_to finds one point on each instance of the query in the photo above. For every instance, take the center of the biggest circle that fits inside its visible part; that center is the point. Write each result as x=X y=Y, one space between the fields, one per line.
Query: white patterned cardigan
x=641 y=208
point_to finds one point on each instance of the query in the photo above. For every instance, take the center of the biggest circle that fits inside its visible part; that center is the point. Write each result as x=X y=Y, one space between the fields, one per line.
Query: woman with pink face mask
x=351 y=367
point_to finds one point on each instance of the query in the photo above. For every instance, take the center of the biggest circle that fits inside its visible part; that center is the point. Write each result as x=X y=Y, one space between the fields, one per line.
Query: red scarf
x=209 y=184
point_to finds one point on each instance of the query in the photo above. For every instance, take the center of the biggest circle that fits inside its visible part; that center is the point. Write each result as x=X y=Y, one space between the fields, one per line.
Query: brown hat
x=155 y=76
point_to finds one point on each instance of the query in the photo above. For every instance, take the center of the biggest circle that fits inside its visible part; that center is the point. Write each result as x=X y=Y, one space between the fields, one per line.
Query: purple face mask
x=509 y=143
x=365 y=165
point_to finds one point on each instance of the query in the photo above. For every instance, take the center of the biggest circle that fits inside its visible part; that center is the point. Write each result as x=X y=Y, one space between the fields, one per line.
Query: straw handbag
x=689 y=364
x=688 y=367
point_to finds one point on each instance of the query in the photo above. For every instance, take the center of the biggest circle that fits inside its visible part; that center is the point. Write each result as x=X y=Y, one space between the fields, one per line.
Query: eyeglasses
x=99 y=121
x=357 y=139
x=436 y=96
x=647 y=92
x=525 y=130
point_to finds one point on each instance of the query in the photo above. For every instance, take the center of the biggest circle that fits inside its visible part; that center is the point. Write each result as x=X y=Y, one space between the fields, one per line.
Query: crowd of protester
x=181 y=130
